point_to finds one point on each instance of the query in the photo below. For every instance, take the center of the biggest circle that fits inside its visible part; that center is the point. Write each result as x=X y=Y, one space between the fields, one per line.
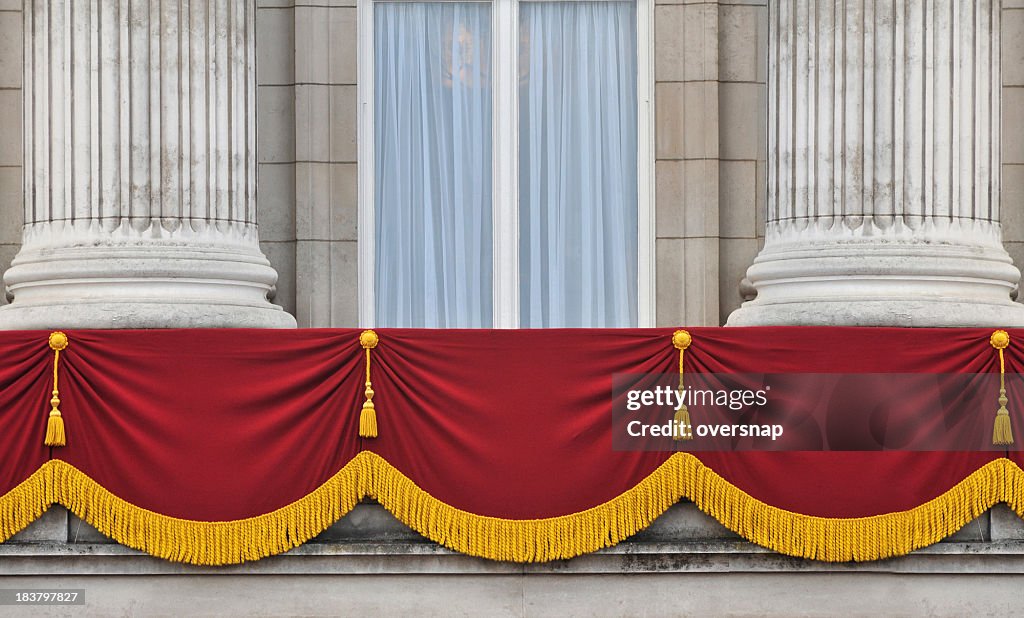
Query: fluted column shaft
x=884 y=114
x=140 y=113
x=140 y=167
x=883 y=166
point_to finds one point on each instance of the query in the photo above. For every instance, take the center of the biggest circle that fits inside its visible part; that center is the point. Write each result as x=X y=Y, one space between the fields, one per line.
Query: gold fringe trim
x=26 y=502
x=529 y=540
x=524 y=540
x=853 y=539
x=201 y=542
x=684 y=476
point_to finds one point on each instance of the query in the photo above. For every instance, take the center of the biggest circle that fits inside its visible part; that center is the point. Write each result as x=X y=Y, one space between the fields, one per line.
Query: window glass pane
x=578 y=164
x=432 y=116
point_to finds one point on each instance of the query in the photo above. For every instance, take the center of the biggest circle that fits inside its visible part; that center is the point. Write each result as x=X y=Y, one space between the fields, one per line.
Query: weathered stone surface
x=52 y=527
x=711 y=577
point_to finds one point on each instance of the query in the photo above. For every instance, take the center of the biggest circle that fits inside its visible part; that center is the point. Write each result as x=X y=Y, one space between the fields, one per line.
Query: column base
x=943 y=274
x=895 y=312
x=215 y=277
x=141 y=315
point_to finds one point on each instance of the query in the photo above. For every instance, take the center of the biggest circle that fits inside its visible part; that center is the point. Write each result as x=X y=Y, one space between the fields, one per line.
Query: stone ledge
x=999 y=558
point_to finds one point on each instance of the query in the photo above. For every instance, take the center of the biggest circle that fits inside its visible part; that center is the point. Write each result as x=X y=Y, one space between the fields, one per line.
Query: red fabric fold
x=26 y=380
x=850 y=484
x=513 y=424
x=211 y=424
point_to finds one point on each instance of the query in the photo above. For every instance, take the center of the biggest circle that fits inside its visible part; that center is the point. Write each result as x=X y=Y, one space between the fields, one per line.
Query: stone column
x=140 y=207
x=883 y=167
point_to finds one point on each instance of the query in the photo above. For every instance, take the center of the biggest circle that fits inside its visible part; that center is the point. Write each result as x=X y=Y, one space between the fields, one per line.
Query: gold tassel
x=681 y=339
x=55 y=423
x=1002 y=433
x=682 y=423
x=368 y=416
x=55 y=428
x=368 y=420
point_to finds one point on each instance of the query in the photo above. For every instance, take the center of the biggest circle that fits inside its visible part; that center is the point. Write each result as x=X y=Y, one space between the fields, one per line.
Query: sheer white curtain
x=578 y=164
x=432 y=111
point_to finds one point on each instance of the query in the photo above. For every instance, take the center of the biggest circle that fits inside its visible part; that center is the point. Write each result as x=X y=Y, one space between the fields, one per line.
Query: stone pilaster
x=883 y=173
x=140 y=206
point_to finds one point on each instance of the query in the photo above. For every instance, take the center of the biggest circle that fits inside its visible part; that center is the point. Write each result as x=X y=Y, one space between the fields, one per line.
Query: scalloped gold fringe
x=684 y=476
x=530 y=540
x=203 y=542
x=26 y=502
x=860 y=538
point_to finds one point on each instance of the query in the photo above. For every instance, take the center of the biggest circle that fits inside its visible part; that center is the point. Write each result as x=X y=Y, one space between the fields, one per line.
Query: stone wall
x=11 y=74
x=710 y=73
x=306 y=122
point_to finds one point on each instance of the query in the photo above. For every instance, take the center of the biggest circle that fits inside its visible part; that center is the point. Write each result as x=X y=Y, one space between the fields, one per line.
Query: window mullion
x=367 y=225
x=505 y=157
x=647 y=257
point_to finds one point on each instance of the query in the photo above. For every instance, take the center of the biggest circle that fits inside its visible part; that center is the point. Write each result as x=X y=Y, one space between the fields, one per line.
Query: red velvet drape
x=226 y=424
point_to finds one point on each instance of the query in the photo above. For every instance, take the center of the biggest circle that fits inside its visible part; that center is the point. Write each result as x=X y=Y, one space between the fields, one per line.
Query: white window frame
x=505 y=172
